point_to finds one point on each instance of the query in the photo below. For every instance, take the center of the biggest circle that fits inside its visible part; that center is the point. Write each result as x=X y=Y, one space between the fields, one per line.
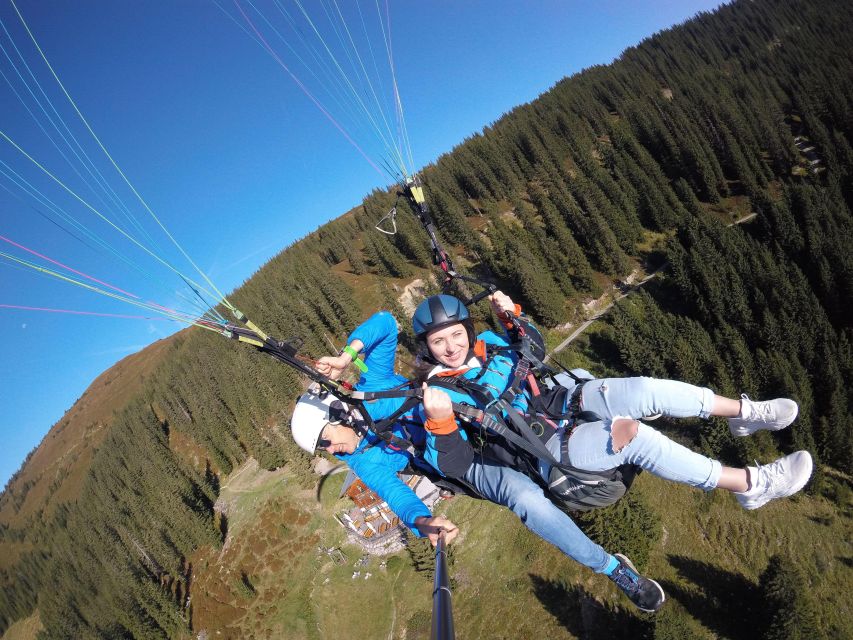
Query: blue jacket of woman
x=448 y=453
x=451 y=453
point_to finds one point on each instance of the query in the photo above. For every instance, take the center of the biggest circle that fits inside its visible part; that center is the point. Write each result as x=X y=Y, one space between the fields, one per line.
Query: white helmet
x=312 y=413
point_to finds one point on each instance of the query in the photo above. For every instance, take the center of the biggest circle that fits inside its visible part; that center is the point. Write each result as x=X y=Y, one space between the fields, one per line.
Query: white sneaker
x=779 y=479
x=770 y=415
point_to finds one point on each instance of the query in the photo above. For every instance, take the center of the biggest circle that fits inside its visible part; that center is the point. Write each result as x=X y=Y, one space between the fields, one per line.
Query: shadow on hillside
x=825 y=521
x=725 y=602
x=585 y=617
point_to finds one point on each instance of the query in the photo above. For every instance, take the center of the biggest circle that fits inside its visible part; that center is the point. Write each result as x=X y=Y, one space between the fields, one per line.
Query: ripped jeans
x=640 y=397
x=591 y=446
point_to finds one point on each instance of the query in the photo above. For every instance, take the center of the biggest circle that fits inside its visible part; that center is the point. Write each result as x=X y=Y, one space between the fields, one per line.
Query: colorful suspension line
x=81 y=313
x=205 y=306
x=118 y=169
x=67 y=137
x=113 y=225
x=25 y=186
x=136 y=301
x=392 y=150
x=305 y=90
x=359 y=90
x=66 y=267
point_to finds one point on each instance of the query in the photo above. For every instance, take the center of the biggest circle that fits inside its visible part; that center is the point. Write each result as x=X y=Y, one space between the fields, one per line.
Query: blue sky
x=230 y=154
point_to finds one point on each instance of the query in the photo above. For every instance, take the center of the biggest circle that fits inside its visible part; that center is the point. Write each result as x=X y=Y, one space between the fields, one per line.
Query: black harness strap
x=521 y=435
x=413 y=191
x=491 y=418
x=556 y=401
x=521 y=369
x=382 y=428
x=286 y=352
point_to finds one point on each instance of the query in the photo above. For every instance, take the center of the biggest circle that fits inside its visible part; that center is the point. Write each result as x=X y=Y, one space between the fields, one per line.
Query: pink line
x=79 y=273
x=106 y=284
x=81 y=313
x=307 y=93
x=167 y=309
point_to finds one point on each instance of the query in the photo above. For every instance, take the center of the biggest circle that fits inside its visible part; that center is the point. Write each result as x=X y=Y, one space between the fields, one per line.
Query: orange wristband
x=441 y=426
x=516 y=313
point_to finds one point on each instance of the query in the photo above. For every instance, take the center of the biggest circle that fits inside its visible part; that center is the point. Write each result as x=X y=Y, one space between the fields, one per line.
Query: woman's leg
x=591 y=448
x=642 y=396
x=725 y=407
x=735 y=480
x=510 y=488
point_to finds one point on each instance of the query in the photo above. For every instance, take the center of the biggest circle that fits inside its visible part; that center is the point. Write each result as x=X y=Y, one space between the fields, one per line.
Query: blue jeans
x=513 y=489
x=639 y=397
x=590 y=448
x=590 y=445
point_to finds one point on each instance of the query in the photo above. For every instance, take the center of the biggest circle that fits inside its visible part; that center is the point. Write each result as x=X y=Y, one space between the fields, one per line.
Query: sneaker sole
x=654 y=582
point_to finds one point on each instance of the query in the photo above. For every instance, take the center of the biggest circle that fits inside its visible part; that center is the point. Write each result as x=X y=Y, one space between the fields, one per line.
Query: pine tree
x=531 y=281
x=630 y=526
x=421 y=555
x=579 y=270
x=789 y=610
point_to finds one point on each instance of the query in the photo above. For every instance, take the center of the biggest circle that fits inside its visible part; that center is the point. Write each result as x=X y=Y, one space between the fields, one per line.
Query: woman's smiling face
x=449 y=345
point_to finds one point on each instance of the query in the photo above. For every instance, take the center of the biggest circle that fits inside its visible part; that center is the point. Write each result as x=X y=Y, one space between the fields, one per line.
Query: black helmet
x=436 y=312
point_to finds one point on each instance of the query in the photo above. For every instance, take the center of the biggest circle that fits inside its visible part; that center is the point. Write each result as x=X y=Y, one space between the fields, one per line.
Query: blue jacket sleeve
x=377 y=467
x=379 y=335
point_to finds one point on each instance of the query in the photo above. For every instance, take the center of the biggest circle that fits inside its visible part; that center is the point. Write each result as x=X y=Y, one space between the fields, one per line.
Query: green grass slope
x=54 y=470
x=506 y=582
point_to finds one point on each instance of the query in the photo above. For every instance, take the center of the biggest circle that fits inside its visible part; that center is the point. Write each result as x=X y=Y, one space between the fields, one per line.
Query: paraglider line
x=305 y=89
x=85 y=313
x=66 y=267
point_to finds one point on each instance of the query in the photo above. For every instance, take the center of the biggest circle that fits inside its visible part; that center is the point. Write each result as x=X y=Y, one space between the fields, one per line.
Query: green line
x=105 y=219
x=117 y=168
x=174 y=315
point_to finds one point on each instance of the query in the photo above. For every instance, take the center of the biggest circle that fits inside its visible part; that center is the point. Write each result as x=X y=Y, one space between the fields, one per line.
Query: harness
x=496 y=417
x=525 y=437
x=526 y=434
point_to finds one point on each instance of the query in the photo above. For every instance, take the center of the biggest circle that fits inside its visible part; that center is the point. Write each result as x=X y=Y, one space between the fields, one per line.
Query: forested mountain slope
x=621 y=167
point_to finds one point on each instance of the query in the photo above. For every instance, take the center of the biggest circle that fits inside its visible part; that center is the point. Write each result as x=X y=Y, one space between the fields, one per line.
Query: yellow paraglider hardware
x=417 y=193
x=241 y=317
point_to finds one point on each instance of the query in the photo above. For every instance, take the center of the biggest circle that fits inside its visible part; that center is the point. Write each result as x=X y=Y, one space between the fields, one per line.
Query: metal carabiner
x=392 y=215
